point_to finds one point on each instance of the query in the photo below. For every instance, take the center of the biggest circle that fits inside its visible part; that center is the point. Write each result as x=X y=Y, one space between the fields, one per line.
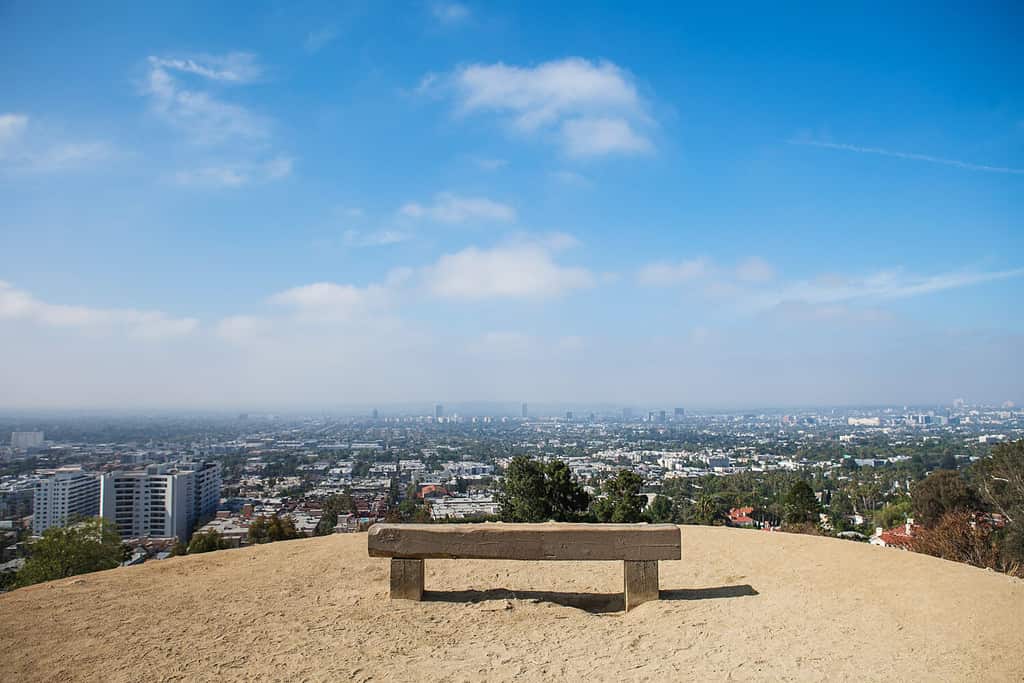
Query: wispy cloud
x=235 y=174
x=18 y=304
x=375 y=238
x=754 y=286
x=452 y=208
x=12 y=126
x=910 y=156
x=198 y=113
x=449 y=13
x=665 y=273
x=879 y=286
x=25 y=151
x=234 y=67
x=589 y=108
x=318 y=40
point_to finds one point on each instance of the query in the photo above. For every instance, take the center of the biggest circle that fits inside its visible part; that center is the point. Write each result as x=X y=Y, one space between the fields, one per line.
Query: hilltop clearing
x=740 y=605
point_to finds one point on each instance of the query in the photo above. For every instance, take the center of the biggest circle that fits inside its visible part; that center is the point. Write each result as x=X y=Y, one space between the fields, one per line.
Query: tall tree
x=85 y=545
x=566 y=499
x=800 y=504
x=206 y=542
x=1000 y=479
x=622 y=501
x=523 y=495
x=941 y=492
x=660 y=510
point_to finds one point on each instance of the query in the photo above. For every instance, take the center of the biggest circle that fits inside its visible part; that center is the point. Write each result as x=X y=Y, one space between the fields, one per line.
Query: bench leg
x=641 y=582
x=406 y=579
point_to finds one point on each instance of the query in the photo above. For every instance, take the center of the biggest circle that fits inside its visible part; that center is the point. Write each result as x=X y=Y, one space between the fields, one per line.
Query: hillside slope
x=740 y=605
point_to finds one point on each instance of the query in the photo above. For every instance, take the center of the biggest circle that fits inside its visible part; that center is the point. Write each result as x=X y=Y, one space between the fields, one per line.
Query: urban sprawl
x=164 y=480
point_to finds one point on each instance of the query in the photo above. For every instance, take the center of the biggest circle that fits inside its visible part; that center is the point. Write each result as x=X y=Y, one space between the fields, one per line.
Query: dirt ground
x=740 y=605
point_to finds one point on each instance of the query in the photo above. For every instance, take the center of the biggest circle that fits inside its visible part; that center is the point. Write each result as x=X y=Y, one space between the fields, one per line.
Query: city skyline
x=444 y=203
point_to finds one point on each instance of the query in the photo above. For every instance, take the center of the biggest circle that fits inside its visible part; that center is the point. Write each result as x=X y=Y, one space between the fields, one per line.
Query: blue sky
x=263 y=205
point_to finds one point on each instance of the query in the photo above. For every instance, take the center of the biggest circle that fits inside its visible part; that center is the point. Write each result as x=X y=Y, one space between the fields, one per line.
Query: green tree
x=660 y=510
x=206 y=542
x=893 y=514
x=566 y=499
x=270 y=529
x=622 y=501
x=338 y=504
x=86 y=545
x=178 y=549
x=800 y=505
x=1000 y=480
x=941 y=492
x=708 y=508
x=523 y=495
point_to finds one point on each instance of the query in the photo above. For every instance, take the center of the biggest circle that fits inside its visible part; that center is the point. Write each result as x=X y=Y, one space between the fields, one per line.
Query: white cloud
x=242 y=328
x=451 y=208
x=24 y=150
x=509 y=271
x=751 y=286
x=17 y=304
x=449 y=13
x=234 y=67
x=329 y=301
x=882 y=285
x=589 y=137
x=666 y=273
x=203 y=117
x=12 y=126
x=590 y=108
x=377 y=238
x=235 y=174
x=911 y=156
x=571 y=178
x=755 y=269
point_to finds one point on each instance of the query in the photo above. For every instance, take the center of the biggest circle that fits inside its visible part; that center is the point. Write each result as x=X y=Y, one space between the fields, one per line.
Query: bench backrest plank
x=548 y=541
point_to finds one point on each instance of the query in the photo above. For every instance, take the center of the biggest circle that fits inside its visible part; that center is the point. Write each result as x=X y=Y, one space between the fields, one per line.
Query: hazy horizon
x=303 y=208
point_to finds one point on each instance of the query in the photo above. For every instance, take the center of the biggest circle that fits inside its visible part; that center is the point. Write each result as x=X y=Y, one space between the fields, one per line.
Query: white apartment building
x=161 y=500
x=458 y=508
x=21 y=441
x=61 y=493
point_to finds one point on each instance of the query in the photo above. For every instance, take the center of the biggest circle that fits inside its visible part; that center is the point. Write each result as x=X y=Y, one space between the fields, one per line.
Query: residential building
x=161 y=500
x=62 y=493
x=21 y=441
x=458 y=508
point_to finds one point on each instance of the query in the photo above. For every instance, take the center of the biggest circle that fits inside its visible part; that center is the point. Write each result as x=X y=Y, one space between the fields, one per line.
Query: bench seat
x=638 y=546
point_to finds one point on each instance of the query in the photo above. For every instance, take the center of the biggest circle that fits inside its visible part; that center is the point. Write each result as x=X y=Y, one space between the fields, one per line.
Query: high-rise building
x=438 y=411
x=524 y=413
x=376 y=414
x=568 y=415
x=661 y=416
x=61 y=494
x=627 y=414
x=161 y=500
x=680 y=413
x=21 y=441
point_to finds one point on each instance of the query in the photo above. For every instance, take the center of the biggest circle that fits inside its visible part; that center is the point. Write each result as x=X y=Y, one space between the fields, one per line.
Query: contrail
x=910 y=155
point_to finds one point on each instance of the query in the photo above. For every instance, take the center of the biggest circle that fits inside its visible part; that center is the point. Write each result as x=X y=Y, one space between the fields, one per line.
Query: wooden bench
x=638 y=546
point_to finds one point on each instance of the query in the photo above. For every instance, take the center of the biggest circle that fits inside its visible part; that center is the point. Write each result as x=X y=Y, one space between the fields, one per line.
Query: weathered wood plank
x=406 y=579
x=549 y=541
x=640 y=581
